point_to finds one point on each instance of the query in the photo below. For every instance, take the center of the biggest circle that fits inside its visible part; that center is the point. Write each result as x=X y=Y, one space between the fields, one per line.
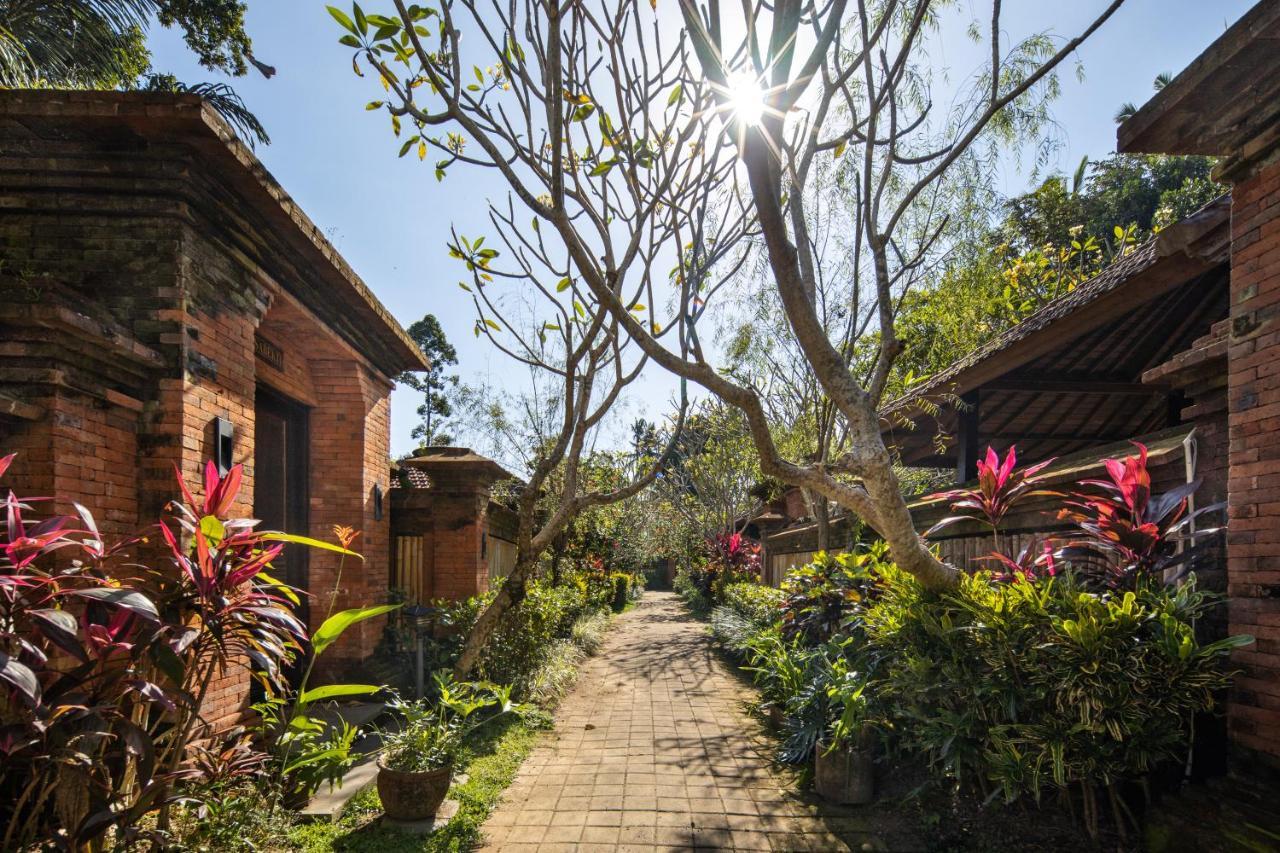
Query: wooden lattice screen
x=409 y=568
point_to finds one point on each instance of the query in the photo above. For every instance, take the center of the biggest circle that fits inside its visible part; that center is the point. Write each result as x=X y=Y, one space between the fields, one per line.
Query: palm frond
x=224 y=100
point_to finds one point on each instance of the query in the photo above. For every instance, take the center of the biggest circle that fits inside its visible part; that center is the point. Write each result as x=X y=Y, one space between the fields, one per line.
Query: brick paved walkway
x=652 y=751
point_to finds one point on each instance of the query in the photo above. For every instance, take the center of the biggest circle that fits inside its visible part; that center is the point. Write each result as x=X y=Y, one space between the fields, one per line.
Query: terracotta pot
x=411 y=795
x=845 y=775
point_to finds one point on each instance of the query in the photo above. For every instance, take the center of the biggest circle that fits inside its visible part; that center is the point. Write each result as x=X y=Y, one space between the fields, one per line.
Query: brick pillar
x=459 y=520
x=1253 y=538
x=349 y=453
x=452 y=517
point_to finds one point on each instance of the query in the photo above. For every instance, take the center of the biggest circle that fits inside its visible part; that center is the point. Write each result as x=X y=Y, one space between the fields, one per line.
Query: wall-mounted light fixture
x=224 y=444
x=377 y=502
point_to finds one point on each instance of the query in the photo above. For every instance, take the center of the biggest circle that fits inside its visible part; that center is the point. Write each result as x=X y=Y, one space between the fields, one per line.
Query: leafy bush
x=530 y=635
x=818 y=596
x=758 y=604
x=798 y=680
x=106 y=664
x=693 y=584
x=1032 y=686
x=434 y=731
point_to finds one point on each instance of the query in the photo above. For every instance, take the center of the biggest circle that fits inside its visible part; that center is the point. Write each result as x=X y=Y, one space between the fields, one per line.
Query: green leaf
x=309 y=758
x=282 y=588
x=583 y=112
x=276 y=536
x=563 y=285
x=335 y=691
x=602 y=168
x=213 y=529
x=337 y=623
x=373 y=105
x=361 y=23
x=305 y=723
x=341 y=17
x=349 y=41
x=492 y=325
x=676 y=94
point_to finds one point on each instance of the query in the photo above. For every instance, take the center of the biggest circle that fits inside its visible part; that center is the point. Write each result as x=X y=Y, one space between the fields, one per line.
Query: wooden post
x=967 y=438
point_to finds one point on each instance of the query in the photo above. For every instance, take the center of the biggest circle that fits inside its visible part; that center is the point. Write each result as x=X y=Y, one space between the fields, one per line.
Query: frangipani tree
x=648 y=158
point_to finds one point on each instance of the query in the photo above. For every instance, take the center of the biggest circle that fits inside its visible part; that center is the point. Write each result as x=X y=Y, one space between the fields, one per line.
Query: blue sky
x=390 y=217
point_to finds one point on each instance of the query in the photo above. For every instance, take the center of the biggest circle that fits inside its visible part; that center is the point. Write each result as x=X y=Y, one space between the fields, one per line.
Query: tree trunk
x=509 y=596
x=821 y=517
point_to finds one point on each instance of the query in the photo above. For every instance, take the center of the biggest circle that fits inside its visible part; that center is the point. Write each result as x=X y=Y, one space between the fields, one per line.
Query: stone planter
x=409 y=795
x=845 y=775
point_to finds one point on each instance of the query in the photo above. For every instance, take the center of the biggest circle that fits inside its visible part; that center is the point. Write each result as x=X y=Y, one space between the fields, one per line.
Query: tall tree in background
x=101 y=44
x=437 y=387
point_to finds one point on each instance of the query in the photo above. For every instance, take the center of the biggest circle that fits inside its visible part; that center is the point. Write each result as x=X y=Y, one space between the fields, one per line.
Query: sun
x=746 y=97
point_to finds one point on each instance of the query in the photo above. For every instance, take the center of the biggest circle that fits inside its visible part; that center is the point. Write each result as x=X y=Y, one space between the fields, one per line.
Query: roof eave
x=1218 y=101
x=1187 y=248
x=194 y=120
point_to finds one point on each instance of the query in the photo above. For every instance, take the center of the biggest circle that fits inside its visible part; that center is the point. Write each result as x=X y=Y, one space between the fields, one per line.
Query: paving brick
x=653 y=751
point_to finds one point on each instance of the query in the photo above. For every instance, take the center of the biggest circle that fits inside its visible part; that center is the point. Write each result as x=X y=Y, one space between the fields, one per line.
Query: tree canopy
x=101 y=44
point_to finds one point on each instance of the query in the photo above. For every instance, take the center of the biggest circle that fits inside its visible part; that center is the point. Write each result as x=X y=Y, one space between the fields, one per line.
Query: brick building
x=165 y=302
x=1227 y=104
x=450 y=538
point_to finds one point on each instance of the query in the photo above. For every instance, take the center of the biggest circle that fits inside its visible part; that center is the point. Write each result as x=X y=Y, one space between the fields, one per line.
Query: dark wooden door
x=281 y=480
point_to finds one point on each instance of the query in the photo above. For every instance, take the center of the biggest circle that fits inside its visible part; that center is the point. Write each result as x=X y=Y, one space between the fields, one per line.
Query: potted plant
x=415 y=768
x=844 y=765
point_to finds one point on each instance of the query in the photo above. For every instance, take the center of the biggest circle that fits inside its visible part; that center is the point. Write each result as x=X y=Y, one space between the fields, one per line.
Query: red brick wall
x=350 y=430
x=451 y=519
x=1253 y=538
x=170 y=277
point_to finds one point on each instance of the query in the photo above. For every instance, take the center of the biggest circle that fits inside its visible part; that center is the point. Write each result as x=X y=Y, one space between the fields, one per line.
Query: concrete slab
x=328 y=804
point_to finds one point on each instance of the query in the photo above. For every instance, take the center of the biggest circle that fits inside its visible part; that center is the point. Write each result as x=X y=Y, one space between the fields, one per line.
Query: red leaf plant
x=105 y=664
x=1037 y=560
x=1001 y=487
x=1124 y=531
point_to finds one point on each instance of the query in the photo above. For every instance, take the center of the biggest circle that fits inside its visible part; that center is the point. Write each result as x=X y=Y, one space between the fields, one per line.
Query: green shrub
x=639 y=581
x=820 y=596
x=621 y=591
x=1031 y=686
x=528 y=636
x=693 y=584
x=758 y=604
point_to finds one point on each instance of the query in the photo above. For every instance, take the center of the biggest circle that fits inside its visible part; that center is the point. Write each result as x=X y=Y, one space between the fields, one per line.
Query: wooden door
x=281 y=480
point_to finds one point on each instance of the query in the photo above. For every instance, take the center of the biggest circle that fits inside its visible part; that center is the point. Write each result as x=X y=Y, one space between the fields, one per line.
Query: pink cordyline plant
x=105 y=664
x=1001 y=487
